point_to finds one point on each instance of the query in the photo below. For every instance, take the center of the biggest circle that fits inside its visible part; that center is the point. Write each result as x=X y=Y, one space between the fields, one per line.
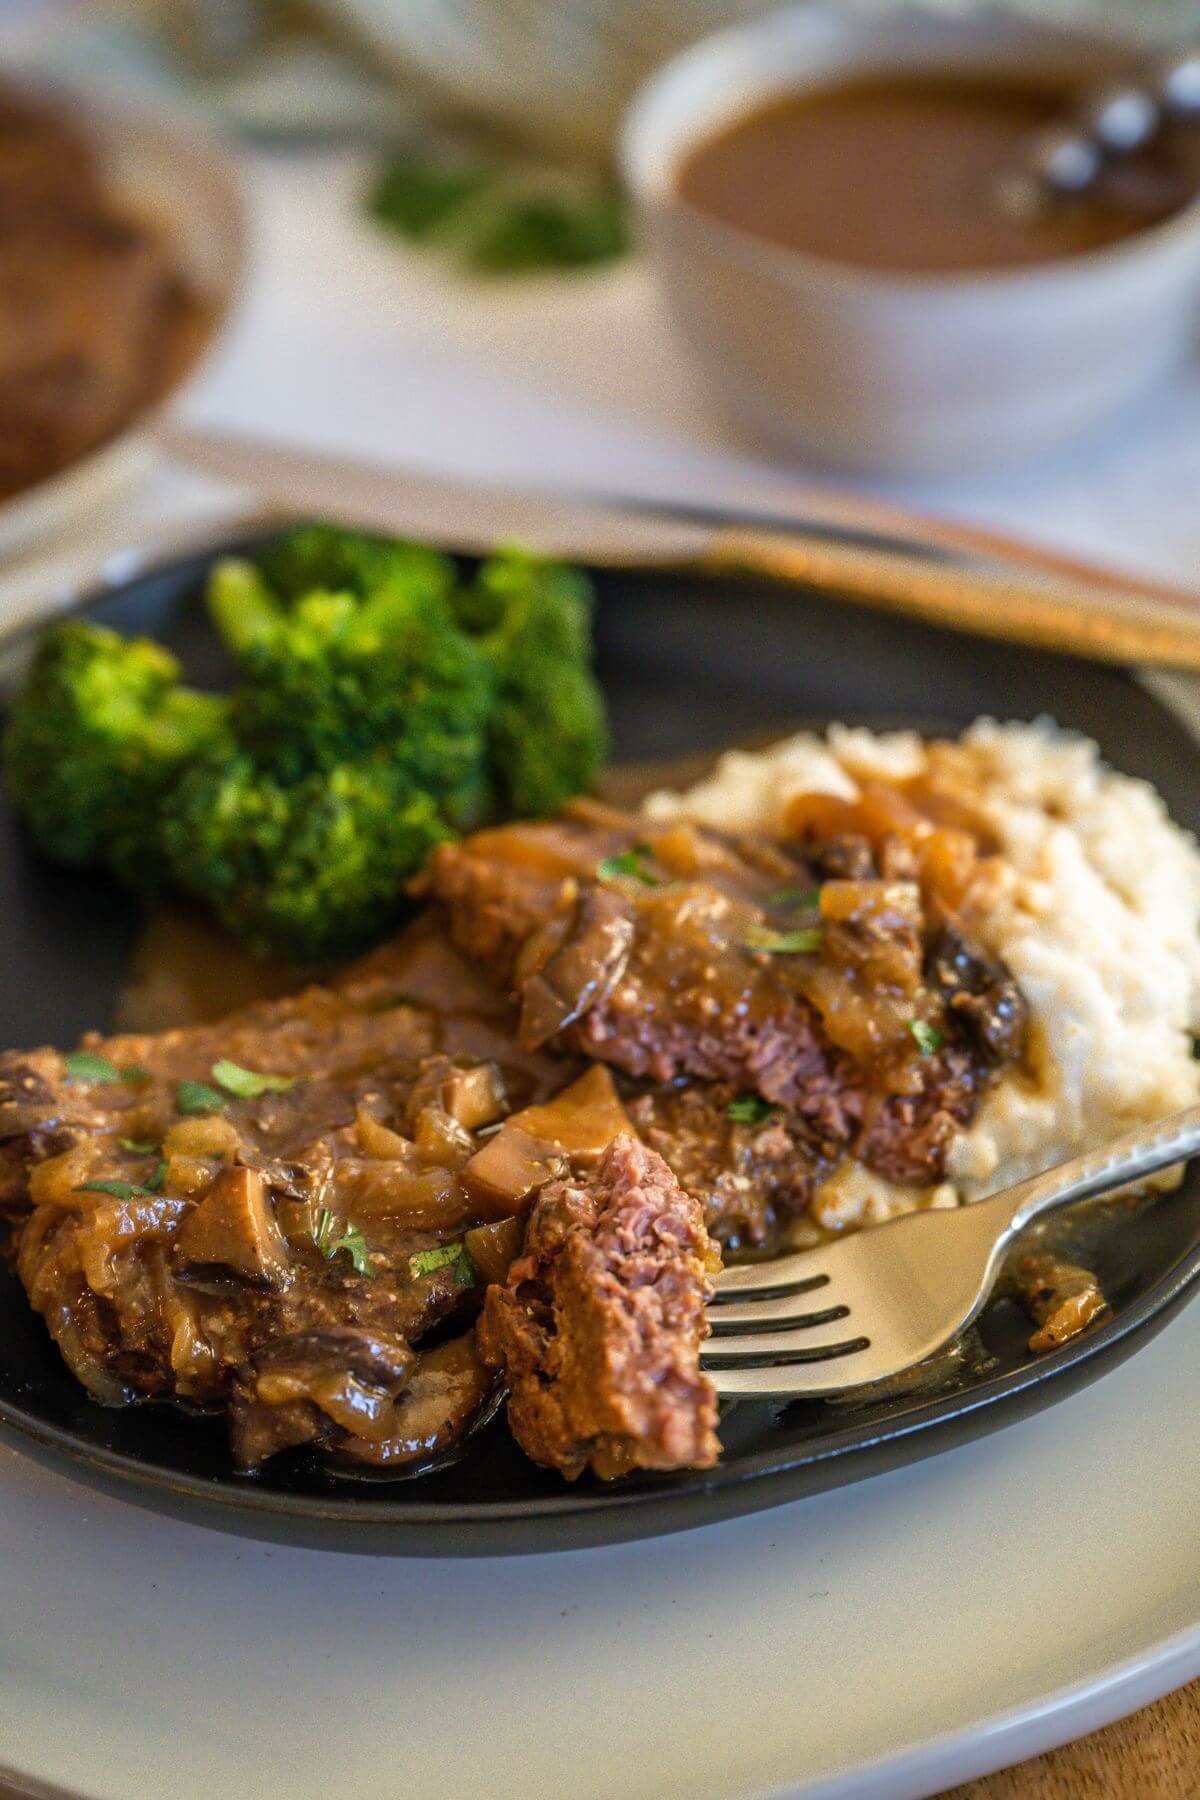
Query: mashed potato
x=1096 y=912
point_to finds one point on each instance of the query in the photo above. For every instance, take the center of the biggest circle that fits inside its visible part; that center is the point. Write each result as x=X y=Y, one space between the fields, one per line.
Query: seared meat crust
x=750 y=1178
x=599 y=1325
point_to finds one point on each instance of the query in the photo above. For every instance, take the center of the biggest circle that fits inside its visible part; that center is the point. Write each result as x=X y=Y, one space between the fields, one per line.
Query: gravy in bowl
x=898 y=173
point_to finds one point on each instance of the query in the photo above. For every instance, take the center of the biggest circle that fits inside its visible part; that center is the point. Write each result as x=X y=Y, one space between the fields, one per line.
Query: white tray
x=884 y=1640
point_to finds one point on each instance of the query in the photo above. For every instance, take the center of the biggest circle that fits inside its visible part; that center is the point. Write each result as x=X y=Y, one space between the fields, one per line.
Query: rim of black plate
x=402 y=1506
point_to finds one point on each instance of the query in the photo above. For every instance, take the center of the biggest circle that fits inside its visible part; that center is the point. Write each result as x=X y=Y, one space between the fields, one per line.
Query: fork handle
x=1124 y=1160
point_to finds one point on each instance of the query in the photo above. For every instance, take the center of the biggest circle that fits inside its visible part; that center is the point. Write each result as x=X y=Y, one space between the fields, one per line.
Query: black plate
x=688 y=664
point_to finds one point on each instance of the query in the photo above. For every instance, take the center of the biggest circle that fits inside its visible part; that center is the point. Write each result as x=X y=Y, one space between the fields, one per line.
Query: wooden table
x=1153 y=1755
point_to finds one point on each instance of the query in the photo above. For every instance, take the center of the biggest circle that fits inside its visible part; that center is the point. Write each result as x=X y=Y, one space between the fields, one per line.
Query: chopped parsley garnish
x=416 y=195
x=85 y=1065
x=785 y=943
x=928 y=1037
x=136 y=1149
x=155 y=1183
x=351 y=1241
x=796 y=899
x=552 y=231
x=455 y=1256
x=120 y=1190
x=198 y=1097
x=248 y=1084
x=749 y=1109
x=498 y=215
x=630 y=862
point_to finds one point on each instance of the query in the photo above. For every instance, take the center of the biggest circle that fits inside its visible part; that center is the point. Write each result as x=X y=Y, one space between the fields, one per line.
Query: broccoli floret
x=307 y=870
x=548 y=733
x=322 y=556
x=380 y=709
x=100 y=730
x=329 y=676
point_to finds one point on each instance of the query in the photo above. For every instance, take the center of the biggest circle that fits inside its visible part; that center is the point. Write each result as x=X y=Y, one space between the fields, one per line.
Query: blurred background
x=530 y=343
x=555 y=76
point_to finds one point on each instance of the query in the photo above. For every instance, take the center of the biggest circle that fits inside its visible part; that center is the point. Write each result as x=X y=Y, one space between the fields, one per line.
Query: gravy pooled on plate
x=896 y=173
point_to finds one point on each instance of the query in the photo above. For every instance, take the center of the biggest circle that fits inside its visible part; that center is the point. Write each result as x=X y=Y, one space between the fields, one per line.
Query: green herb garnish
x=551 y=231
x=784 y=943
x=85 y=1065
x=136 y=1149
x=198 y=1097
x=351 y=1241
x=248 y=1084
x=120 y=1190
x=630 y=862
x=155 y=1183
x=417 y=195
x=928 y=1037
x=795 y=899
x=500 y=217
x=749 y=1109
x=457 y=1256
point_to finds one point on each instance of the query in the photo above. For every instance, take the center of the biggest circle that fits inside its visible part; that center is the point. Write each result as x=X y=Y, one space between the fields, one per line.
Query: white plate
x=170 y=171
x=884 y=1640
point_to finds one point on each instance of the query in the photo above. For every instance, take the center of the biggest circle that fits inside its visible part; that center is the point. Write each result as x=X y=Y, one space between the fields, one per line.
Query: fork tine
x=783 y=1314
x=796 y=1274
x=835 y=1338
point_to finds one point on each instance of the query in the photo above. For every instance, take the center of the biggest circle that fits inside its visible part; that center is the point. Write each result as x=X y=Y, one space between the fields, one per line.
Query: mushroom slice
x=441 y=1400
x=316 y=1385
x=475 y=1096
x=440 y=1139
x=511 y=1167
x=582 y=1119
x=494 y=1248
x=537 y=1145
x=580 y=972
x=233 y=1227
x=980 y=994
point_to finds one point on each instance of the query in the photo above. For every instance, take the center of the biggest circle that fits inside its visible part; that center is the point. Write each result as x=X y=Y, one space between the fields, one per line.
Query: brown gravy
x=187 y=970
x=897 y=174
